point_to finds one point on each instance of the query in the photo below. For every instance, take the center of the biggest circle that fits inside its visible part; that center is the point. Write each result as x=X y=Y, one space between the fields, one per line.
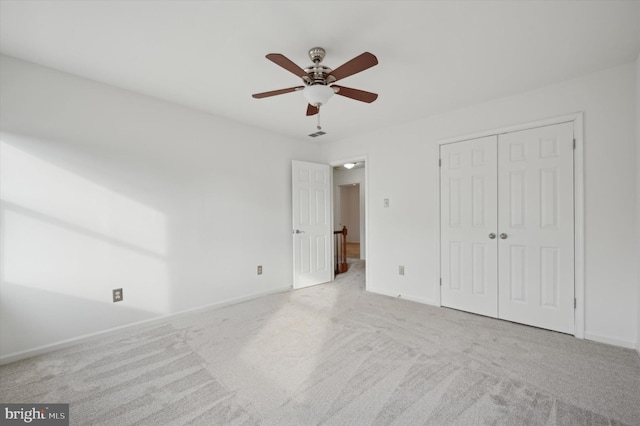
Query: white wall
x=348 y=177
x=103 y=188
x=638 y=190
x=406 y=172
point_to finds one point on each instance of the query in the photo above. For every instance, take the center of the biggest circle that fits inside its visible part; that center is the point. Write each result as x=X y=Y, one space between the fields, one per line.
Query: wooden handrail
x=340 y=238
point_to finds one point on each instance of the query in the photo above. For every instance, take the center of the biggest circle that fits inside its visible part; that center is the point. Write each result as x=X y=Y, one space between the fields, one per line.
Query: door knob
x=297 y=231
x=503 y=236
x=492 y=236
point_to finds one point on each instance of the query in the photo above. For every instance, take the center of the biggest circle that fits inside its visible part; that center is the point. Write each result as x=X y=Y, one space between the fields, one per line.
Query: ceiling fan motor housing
x=318 y=74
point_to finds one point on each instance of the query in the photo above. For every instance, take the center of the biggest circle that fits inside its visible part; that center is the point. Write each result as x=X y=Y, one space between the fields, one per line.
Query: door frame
x=355 y=159
x=577 y=119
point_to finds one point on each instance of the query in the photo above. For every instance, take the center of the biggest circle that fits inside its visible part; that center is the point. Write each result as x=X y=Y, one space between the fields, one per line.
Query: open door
x=312 y=233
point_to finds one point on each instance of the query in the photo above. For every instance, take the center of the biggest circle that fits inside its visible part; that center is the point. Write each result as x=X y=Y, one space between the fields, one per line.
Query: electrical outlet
x=401 y=270
x=386 y=203
x=118 y=295
x=259 y=269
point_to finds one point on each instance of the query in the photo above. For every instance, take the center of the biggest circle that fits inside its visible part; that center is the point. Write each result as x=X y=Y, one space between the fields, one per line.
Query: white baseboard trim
x=17 y=356
x=420 y=300
x=408 y=297
x=609 y=340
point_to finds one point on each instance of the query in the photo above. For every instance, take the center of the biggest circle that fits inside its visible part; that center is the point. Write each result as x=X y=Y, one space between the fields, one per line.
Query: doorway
x=349 y=206
x=350 y=217
x=316 y=205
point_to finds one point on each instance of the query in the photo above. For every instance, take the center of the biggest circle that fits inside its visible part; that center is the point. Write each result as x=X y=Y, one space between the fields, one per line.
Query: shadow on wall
x=78 y=220
x=31 y=315
x=66 y=243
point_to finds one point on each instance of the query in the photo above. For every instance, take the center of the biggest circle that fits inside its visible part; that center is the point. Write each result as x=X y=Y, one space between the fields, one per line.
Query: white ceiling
x=434 y=56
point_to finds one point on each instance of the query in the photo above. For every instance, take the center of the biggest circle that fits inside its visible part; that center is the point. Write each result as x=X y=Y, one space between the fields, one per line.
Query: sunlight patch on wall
x=63 y=233
x=44 y=255
x=39 y=186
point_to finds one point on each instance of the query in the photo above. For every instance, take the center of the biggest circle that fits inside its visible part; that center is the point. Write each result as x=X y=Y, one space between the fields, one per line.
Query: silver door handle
x=297 y=231
x=492 y=236
x=503 y=236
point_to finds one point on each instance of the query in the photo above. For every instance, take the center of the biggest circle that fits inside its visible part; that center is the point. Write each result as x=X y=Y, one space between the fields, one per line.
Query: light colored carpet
x=333 y=354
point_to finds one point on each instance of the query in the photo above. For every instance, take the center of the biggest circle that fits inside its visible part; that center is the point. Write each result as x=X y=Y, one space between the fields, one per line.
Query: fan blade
x=312 y=110
x=357 y=64
x=276 y=92
x=358 y=95
x=286 y=63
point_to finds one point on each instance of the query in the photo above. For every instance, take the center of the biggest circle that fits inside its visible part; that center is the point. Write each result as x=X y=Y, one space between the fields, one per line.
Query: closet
x=507 y=226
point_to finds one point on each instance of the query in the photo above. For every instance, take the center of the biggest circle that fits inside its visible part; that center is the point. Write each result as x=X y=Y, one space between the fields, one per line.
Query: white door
x=518 y=185
x=468 y=226
x=312 y=233
x=535 y=226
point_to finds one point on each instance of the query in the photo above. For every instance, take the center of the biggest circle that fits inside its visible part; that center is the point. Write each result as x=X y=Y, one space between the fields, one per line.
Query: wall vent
x=318 y=133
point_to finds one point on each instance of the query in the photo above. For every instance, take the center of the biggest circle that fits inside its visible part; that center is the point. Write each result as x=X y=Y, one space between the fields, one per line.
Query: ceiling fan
x=318 y=79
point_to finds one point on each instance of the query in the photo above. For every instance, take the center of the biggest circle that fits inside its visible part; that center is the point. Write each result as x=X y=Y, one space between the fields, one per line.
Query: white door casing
x=469 y=226
x=536 y=219
x=312 y=232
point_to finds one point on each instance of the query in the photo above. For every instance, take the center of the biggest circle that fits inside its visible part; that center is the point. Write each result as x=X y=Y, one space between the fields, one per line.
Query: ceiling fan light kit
x=317 y=94
x=318 y=79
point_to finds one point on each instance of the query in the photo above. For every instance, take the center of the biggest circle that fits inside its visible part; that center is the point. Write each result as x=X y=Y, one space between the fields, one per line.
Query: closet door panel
x=535 y=223
x=468 y=191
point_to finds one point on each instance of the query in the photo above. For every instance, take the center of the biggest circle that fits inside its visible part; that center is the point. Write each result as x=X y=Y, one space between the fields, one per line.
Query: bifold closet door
x=468 y=200
x=536 y=227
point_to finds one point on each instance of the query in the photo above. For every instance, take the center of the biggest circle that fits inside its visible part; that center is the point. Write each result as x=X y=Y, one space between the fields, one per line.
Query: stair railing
x=340 y=240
